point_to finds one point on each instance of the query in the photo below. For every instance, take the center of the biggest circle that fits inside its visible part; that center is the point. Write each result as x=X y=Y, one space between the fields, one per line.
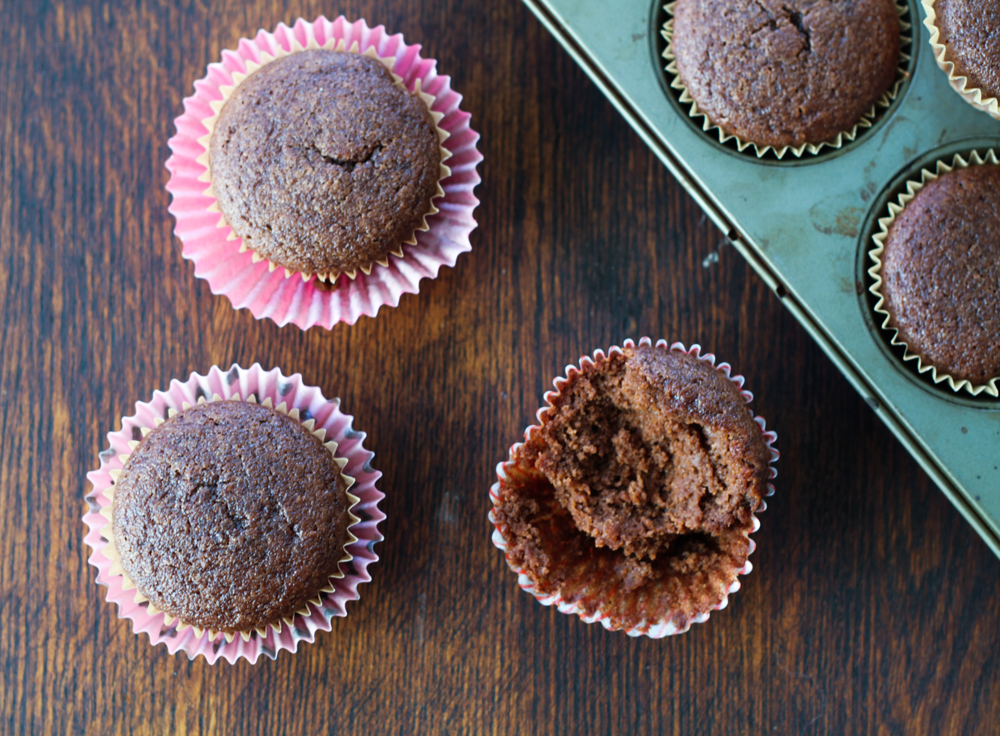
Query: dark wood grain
x=873 y=608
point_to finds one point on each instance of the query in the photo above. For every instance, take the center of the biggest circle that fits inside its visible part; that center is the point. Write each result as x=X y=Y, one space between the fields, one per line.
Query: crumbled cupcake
x=634 y=498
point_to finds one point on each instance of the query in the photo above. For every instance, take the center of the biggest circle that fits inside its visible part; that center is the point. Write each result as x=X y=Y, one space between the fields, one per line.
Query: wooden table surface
x=872 y=607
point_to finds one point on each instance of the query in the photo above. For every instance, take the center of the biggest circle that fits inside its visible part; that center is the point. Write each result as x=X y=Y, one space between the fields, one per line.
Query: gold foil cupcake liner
x=866 y=121
x=111 y=549
x=973 y=95
x=912 y=187
x=331 y=45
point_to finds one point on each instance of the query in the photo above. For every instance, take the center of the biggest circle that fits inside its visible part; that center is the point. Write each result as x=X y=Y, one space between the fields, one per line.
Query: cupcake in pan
x=965 y=37
x=319 y=172
x=234 y=515
x=936 y=272
x=632 y=501
x=786 y=76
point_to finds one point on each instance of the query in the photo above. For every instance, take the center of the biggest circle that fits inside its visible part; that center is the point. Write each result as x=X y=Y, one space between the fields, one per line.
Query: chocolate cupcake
x=324 y=196
x=234 y=515
x=323 y=164
x=785 y=76
x=633 y=501
x=937 y=273
x=231 y=516
x=965 y=36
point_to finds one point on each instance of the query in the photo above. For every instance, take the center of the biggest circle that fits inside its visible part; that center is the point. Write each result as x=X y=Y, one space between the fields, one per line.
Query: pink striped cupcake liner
x=269 y=388
x=254 y=284
x=572 y=596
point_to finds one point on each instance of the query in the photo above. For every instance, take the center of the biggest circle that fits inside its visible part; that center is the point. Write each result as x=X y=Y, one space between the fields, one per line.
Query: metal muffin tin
x=805 y=224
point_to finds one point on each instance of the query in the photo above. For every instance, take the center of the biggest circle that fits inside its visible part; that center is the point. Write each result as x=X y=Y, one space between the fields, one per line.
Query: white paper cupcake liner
x=508 y=472
x=286 y=297
x=266 y=387
x=991 y=387
x=973 y=95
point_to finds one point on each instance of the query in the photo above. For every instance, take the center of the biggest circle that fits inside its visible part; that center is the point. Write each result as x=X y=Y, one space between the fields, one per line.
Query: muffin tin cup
x=991 y=387
x=286 y=297
x=972 y=95
x=572 y=596
x=761 y=151
x=269 y=388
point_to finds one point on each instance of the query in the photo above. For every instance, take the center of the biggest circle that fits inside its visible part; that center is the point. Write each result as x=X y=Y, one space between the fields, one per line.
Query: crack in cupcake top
x=230 y=516
x=322 y=163
x=786 y=73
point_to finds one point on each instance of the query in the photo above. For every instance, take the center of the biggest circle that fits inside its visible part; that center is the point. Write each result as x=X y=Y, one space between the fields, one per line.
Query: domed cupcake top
x=786 y=73
x=231 y=516
x=940 y=272
x=322 y=163
x=970 y=32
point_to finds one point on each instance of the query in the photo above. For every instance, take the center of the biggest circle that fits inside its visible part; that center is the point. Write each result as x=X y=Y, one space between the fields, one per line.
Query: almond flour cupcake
x=323 y=165
x=965 y=37
x=937 y=273
x=321 y=171
x=231 y=516
x=230 y=526
x=785 y=76
x=632 y=501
